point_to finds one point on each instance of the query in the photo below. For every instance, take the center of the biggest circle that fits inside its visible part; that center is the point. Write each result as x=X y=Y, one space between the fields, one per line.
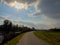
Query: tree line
x=8 y=26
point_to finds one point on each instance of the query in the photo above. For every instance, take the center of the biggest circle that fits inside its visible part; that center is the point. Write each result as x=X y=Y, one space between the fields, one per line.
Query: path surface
x=30 y=39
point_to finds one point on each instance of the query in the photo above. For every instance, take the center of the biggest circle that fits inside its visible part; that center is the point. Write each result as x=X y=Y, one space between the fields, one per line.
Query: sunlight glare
x=18 y=5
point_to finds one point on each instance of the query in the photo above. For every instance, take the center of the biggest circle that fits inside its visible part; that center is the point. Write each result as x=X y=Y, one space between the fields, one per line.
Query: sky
x=41 y=14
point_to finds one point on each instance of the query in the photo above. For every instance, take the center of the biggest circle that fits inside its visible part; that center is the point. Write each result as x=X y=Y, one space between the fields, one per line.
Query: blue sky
x=34 y=13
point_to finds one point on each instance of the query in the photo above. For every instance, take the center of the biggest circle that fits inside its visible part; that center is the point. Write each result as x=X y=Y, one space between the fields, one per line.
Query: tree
x=7 y=22
x=7 y=25
x=33 y=28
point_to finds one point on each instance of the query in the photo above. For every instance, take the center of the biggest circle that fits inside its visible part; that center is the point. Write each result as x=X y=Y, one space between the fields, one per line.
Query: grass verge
x=51 y=37
x=15 y=40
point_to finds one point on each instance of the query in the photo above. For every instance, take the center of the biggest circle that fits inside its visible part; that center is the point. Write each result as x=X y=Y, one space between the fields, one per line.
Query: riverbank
x=14 y=40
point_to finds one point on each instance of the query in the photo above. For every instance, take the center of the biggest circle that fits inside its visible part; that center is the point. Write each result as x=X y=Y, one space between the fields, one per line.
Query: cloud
x=1 y=18
x=35 y=14
x=50 y=8
x=21 y=1
x=37 y=25
x=25 y=23
x=43 y=26
x=20 y=4
x=6 y=17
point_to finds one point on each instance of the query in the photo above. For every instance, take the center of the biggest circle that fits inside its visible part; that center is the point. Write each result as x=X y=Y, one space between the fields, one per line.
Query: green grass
x=15 y=40
x=51 y=37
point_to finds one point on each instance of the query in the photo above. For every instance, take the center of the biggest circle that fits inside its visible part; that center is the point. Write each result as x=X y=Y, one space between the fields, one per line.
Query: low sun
x=18 y=5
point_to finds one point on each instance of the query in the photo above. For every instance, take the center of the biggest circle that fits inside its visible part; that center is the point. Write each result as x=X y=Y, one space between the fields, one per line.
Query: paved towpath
x=30 y=39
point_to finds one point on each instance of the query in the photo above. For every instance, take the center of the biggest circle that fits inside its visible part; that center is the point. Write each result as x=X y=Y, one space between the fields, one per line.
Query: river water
x=1 y=38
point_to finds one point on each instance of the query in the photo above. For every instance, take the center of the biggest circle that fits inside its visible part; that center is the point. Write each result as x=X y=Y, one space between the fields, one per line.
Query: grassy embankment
x=15 y=40
x=51 y=37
